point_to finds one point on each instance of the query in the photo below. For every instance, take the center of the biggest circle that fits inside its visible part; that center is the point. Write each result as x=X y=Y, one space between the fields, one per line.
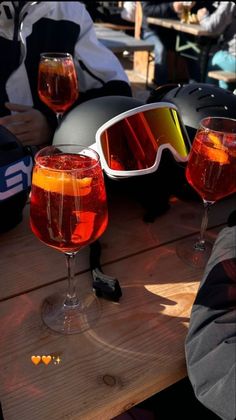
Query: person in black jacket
x=30 y=28
x=211 y=339
x=101 y=12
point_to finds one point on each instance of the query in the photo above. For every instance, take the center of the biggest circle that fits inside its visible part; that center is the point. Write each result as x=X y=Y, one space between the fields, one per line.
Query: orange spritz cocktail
x=68 y=208
x=57 y=81
x=212 y=166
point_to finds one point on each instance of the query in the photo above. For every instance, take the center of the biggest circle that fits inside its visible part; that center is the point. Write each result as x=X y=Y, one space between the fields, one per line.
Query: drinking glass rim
x=201 y=125
x=96 y=155
x=55 y=54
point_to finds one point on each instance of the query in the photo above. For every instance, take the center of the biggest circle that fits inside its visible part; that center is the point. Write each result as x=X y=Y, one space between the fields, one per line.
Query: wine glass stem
x=200 y=244
x=71 y=297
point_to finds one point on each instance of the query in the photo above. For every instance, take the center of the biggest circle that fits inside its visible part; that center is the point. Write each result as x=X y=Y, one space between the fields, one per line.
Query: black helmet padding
x=196 y=101
x=80 y=125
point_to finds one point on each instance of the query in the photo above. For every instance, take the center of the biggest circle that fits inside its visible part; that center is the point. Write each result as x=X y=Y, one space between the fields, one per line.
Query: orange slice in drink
x=214 y=139
x=212 y=152
x=217 y=155
x=61 y=182
x=219 y=152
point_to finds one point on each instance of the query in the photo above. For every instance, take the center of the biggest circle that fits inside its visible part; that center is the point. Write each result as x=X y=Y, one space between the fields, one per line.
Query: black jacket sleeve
x=211 y=341
x=158 y=10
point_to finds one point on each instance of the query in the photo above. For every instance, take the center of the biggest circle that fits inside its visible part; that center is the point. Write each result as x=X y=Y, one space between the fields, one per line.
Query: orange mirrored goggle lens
x=133 y=142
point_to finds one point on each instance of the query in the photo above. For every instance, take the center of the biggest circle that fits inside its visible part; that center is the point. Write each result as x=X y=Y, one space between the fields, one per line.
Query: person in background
x=223 y=23
x=96 y=10
x=211 y=340
x=30 y=28
x=101 y=12
x=164 y=39
x=128 y=11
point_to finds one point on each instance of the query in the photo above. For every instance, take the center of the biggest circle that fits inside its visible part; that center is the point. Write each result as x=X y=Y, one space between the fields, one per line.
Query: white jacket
x=61 y=27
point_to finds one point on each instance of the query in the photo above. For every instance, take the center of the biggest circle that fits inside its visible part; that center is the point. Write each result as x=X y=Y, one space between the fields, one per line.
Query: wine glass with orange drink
x=68 y=211
x=57 y=82
x=211 y=171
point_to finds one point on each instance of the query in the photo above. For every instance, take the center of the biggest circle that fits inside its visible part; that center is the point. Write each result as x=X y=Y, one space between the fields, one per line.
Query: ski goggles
x=131 y=143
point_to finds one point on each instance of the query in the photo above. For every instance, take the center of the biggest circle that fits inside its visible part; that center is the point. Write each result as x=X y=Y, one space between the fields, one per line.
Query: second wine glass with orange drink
x=57 y=81
x=211 y=171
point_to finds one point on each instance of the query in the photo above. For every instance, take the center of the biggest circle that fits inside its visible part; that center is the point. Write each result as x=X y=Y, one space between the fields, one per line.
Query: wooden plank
x=143 y=61
x=141 y=66
x=126 y=235
x=115 y=26
x=190 y=28
x=102 y=31
x=119 y=362
x=118 y=41
x=124 y=43
x=226 y=76
x=137 y=81
x=26 y=262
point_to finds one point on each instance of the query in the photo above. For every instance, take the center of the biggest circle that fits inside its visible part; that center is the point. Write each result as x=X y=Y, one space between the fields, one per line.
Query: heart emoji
x=46 y=359
x=35 y=359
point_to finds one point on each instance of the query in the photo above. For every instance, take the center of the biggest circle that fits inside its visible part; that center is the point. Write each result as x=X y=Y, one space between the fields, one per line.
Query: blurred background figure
x=164 y=39
x=103 y=11
x=221 y=22
x=128 y=12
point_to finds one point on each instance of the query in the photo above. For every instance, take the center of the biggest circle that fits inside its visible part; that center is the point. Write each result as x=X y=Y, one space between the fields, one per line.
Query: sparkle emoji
x=56 y=360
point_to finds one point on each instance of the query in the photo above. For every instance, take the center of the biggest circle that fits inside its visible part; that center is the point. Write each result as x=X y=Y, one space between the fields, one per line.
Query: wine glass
x=211 y=171
x=57 y=82
x=68 y=211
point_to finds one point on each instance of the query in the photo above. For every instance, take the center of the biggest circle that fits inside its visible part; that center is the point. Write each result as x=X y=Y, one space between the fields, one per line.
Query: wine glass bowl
x=212 y=165
x=68 y=211
x=57 y=81
x=211 y=172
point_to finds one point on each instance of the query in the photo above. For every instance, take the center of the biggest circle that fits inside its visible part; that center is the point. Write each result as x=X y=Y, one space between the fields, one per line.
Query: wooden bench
x=118 y=42
x=226 y=76
x=115 y=26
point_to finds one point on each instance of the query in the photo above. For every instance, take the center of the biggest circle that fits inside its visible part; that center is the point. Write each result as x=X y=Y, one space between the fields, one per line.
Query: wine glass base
x=191 y=255
x=65 y=319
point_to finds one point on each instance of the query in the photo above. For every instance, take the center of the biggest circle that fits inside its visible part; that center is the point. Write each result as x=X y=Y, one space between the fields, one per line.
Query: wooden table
x=137 y=346
x=189 y=44
x=189 y=28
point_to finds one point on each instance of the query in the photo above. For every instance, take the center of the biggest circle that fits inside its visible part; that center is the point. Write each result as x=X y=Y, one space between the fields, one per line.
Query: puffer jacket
x=211 y=340
x=223 y=23
x=54 y=27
